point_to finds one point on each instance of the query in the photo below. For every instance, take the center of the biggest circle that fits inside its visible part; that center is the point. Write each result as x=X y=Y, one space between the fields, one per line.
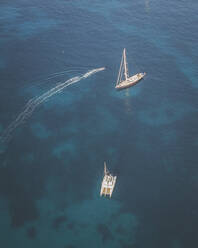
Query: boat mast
x=125 y=65
x=105 y=168
x=120 y=70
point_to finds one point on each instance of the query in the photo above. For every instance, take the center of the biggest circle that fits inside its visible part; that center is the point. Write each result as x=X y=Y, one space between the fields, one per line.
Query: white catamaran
x=108 y=183
x=123 y=72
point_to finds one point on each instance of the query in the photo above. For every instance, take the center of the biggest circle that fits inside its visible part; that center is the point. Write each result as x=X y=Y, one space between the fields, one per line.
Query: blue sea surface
x=52 y=166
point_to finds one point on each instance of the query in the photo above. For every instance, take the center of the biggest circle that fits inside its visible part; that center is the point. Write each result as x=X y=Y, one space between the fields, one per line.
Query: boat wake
x=35 y=102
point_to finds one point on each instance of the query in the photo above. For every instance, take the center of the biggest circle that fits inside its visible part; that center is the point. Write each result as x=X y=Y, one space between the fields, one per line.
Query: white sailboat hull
x=130 y=81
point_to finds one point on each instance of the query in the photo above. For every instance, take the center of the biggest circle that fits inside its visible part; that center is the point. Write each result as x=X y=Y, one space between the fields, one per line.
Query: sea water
x=52 y=167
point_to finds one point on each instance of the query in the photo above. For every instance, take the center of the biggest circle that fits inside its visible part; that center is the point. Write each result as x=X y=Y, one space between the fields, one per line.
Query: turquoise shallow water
x=52 y=167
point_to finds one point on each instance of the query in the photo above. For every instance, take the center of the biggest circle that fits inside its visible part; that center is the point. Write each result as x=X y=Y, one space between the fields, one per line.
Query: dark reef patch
x=120 y=230
x=59 y=221
x=129 y=245
x=31 y=232
x=69 y=246
x=22 y=210
x=105 y=232
x=22 y=182
x=71 y=226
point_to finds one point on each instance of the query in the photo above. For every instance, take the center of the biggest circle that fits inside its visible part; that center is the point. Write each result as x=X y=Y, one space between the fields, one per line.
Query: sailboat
x=124 y=80
x=108 y=183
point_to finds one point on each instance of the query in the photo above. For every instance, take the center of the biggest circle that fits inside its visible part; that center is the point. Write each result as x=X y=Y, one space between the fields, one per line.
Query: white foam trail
x=44 y=81
x=36 y=101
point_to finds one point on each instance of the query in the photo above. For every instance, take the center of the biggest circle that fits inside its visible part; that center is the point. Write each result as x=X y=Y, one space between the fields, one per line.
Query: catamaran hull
x=130 y=81
x=107 y=190
x=108 y=183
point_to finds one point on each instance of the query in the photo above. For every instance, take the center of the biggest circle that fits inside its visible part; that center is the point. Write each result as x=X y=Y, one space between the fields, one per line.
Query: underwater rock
x=31 y=232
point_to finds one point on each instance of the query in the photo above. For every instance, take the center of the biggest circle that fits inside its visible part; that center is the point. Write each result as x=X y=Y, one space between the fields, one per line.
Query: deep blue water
x=52 y=167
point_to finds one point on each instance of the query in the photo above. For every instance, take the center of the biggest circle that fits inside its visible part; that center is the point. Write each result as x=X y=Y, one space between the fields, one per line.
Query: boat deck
x=106 y=191
x=130 y=81
x=108 y=185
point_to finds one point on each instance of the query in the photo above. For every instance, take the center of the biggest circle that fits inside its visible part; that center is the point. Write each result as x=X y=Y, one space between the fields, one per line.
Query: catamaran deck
x=108 y=183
